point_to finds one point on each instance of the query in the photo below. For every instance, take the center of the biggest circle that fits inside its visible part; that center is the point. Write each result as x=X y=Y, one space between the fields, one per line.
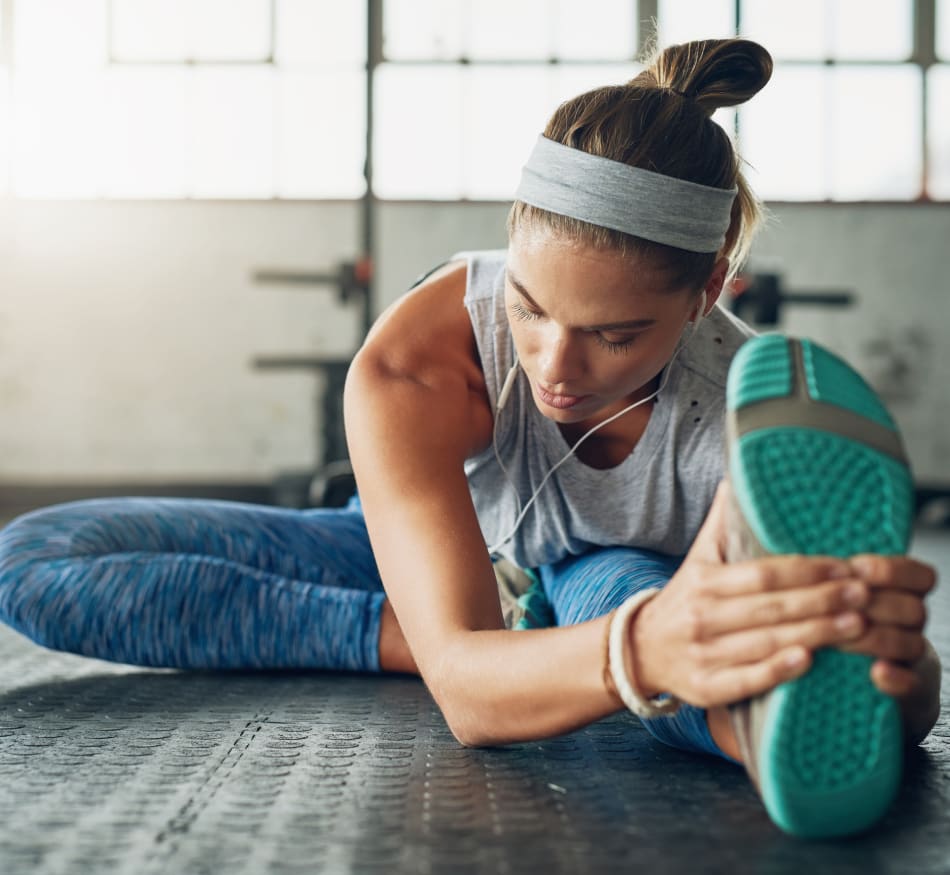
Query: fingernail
x=855 y=594
x=795 y=659
x=848 y=622
x=863 y=566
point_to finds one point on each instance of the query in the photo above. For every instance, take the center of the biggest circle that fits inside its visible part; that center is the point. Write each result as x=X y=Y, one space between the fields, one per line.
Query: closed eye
x=615 y=346
x=522 y=312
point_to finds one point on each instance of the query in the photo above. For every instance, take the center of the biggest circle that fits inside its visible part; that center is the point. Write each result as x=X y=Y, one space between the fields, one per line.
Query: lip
x=561 y=402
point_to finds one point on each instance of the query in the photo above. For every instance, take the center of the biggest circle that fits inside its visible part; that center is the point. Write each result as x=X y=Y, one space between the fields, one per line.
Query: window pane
x=500 y=29
x=788 y=28
x=683 y=20
x=419 y=123
x=938 y=131
x=4 y=129
x=596 y=30
x=871 y=31
x=321 y=135
x=499 y=133
x=943 y=29
x=58 y=148
x=145 y=132
x=876 y=133
x=320 y=32
x=60 y=33
x=783 y=135
x=246 y=36
x=178 y=30
x=230 y=132
x=416 y=30
x=150 y=30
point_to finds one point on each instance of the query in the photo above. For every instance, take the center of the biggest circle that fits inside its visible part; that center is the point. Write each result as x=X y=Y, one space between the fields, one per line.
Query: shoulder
x=709 y=353
x=485 y=270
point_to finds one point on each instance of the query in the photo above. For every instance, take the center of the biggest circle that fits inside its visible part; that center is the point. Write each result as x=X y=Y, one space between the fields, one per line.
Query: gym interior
x=204 y=205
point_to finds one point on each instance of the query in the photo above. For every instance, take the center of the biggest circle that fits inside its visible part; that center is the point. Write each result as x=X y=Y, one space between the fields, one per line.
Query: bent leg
x=581 y=588
x=190 y=583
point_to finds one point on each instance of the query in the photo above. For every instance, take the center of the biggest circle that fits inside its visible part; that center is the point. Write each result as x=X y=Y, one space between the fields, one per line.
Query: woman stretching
x=543 y=433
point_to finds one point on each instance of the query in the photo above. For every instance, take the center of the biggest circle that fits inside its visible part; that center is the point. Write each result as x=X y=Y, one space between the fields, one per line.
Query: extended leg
x=195 y=584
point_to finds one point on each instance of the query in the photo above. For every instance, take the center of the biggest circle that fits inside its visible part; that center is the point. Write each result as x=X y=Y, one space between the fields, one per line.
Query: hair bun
x=713 y=73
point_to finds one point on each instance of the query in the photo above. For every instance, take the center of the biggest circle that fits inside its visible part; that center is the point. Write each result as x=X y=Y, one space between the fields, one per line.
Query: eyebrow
x=613 y=326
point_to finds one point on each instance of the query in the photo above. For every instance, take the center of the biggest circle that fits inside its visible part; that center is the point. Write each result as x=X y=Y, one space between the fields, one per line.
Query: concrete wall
x=127 y=329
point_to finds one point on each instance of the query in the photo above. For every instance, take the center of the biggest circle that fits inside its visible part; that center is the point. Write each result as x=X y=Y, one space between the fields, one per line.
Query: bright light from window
x=684 y=20
x=59 y=34
x=416 y=30
x=58 y=148
x=178 y=30
x=943 y=29
x=782 y=131
x=876 y=131
x=320 y=33
x=419 y=123
x=4 y=129
x=145 y=132
x=595 y=30
x=880 y=30
x=938 y=131
x=231 y=132
x=321 y=135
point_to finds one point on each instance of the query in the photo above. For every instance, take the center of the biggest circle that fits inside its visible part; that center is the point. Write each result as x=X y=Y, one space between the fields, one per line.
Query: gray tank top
x=656 y=499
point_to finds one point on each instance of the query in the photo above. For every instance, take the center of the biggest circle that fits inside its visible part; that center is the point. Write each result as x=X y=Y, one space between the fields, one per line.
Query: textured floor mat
x=109 y=769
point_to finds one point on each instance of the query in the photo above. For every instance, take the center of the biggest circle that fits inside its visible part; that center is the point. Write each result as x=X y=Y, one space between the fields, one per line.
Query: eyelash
x=617 y=347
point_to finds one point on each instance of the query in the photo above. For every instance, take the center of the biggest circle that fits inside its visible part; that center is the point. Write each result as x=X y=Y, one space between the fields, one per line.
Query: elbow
x=469 y=735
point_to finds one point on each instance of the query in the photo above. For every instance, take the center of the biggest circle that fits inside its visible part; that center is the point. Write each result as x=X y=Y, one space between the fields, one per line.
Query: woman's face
x=592 y=328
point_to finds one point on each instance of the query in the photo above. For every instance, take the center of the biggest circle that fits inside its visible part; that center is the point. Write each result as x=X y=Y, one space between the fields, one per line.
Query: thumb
x=710 y=543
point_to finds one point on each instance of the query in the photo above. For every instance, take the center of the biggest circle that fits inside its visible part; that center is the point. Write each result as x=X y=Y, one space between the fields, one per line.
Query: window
x=155 y=99
x=467 y=85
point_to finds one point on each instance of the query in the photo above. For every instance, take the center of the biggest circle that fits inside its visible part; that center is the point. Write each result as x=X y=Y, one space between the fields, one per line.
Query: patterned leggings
x=193 y=583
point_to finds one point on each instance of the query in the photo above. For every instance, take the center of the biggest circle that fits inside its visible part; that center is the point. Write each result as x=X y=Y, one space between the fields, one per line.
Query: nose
x=559 y=358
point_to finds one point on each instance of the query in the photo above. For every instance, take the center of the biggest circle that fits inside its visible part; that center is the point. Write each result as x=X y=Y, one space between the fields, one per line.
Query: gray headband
x=614 y=195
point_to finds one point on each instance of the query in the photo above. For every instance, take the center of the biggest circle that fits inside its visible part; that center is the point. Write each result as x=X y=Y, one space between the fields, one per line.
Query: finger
x=770 y=609
x=740 y=682
x=897 y=609
x=773 y=573
x=889 y=642
x=755 y=645
x=899 y=572
x=894 y=680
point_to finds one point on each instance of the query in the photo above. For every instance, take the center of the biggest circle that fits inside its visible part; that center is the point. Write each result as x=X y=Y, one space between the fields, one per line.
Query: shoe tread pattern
x=830 y=760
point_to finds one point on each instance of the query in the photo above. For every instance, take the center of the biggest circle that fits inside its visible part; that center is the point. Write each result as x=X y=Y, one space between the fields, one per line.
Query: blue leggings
x=185 y=583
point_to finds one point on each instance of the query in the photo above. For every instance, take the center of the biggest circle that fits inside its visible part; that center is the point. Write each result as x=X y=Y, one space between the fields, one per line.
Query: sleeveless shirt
x=655 y=499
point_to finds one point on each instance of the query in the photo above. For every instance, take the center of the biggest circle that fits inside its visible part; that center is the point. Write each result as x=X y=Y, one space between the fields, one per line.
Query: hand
x=896 y=617
x=720 y=633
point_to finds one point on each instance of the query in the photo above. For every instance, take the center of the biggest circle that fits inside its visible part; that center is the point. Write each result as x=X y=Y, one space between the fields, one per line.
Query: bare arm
x=416 y=408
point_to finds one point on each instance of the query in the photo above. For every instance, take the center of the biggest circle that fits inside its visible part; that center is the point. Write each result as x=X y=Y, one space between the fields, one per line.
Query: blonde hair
x=662 y=121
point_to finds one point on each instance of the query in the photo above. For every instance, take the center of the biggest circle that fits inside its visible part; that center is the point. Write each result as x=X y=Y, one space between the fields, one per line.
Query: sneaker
x=817 y=467
x=523 y=602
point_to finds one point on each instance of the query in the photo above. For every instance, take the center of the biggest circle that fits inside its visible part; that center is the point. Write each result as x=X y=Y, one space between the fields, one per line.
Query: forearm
x=498 y=687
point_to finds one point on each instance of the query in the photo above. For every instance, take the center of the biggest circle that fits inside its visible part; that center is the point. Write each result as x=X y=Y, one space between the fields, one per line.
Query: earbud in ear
x=701 y=309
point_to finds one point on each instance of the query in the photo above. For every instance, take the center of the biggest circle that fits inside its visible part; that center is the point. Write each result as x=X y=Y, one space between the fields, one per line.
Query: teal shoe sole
x=817 y=468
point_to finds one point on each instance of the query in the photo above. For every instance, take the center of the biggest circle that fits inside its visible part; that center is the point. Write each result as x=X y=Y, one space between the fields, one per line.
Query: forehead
x=585 y=284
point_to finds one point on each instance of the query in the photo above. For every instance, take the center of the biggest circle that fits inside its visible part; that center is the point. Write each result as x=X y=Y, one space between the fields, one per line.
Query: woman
x=563 y=405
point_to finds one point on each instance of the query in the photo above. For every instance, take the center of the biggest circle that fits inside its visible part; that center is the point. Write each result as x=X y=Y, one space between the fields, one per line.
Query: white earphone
x=505 y=394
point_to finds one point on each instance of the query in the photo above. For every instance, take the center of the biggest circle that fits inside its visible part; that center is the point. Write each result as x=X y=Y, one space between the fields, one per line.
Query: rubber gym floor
x=113 y=769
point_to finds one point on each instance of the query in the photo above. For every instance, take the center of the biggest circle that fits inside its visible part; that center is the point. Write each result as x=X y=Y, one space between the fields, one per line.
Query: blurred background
x=203 y=204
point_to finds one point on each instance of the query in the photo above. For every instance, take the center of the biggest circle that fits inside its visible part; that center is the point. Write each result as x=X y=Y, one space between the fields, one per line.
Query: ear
x=715 y=283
